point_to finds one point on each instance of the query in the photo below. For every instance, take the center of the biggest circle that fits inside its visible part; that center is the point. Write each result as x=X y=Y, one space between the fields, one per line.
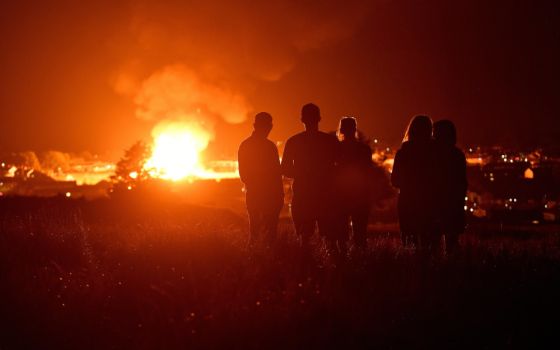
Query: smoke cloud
x=219 y=45
x=262 y=40
x=176 y=92
x=175 y=98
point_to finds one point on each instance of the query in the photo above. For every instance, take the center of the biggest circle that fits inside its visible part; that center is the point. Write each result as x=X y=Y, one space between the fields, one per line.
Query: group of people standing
x=332 y=182
x=430 y=173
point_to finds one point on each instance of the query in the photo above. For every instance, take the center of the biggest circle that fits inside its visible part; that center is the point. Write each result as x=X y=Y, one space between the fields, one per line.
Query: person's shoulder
x=251 y=139
x=405 y=147
x=457 y=152
x=327 y=137
x=364 y=147
x=245 y=142
x=296 y=137
x=270 y=143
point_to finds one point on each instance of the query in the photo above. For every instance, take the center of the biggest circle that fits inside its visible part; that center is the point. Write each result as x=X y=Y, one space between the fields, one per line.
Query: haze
x=74 y=74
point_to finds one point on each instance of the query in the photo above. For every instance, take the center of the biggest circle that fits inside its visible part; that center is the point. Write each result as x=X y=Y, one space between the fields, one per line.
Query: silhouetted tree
x=130 y=168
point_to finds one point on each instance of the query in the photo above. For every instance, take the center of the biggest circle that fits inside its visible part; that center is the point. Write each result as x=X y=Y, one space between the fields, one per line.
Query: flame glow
x=176 y=151
x=176 y=154
x=187 y=108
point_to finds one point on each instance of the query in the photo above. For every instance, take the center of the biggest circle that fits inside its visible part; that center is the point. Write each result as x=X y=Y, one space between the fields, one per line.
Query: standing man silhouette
x=259 y=169
x=309 y=158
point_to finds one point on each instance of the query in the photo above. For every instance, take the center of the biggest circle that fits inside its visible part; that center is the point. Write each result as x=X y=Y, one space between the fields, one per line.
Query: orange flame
x=176 y=151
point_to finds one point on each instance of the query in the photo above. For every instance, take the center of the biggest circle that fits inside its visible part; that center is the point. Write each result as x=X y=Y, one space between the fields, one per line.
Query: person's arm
x=367 y=157
x=287 y=165
x=242 y=164
x=396 y=174
x=463 y=169
x=276 y=156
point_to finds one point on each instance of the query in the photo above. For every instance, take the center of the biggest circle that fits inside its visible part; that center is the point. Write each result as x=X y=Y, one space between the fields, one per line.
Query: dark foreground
x=126 y=274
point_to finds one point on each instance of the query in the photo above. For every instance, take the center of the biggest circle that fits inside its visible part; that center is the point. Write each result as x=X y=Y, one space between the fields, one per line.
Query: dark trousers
x=263 y=223
x=311 y=213
x=263 y=217
x=358 y=217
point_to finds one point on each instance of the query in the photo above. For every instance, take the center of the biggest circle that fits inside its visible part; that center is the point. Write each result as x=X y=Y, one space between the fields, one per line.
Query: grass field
x=132 y=274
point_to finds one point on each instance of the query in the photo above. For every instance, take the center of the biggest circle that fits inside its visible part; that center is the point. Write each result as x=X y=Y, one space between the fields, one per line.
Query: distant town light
x=133 y=174
x=68 y=194
x=11 y=172
x=529 y=174
x=129 y=188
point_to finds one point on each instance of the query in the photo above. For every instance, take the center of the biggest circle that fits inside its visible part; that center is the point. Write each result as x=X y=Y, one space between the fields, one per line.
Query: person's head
x=263 y=123
x=348 y=128
x=444 y=132
x=310 y=116
x=419 y=129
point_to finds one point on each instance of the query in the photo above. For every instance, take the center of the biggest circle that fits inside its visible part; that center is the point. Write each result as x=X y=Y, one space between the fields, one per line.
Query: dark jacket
x=310 y=158
x=353 y=173
x=452 y=187
x=414 y=174
x=259 y=169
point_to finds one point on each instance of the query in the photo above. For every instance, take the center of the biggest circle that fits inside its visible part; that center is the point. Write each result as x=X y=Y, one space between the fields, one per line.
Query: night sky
x=78 y=77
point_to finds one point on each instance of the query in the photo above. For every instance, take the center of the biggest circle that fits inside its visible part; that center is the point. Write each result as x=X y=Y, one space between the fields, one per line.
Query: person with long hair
x=452 y=184
x=414 y=175
x=354 y=168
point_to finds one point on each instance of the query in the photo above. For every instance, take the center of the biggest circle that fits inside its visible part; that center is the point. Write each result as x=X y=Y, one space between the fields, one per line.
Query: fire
x=188 y=108
x=176 y=151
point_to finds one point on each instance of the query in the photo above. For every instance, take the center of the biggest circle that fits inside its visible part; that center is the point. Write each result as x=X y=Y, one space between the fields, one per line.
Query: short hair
x=445 y=132
x=310 y=113
x=263 y=119
x=419 y=129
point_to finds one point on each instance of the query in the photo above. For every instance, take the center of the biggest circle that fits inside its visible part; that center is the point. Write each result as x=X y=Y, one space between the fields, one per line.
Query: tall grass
x=158 y=275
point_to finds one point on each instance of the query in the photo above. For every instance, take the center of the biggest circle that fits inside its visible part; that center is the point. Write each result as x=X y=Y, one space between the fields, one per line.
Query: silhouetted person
x=259 y=169
x=309 y=159
x=354 y=170
x=414 y=175
x=452 y=183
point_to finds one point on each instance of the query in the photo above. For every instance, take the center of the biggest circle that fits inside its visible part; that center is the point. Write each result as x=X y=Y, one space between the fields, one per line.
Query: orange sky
x=72 y=71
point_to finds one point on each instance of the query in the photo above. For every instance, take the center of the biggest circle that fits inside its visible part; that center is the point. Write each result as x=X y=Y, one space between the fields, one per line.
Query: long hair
x=419 y=129
x=345 y=124
x=445 y=132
